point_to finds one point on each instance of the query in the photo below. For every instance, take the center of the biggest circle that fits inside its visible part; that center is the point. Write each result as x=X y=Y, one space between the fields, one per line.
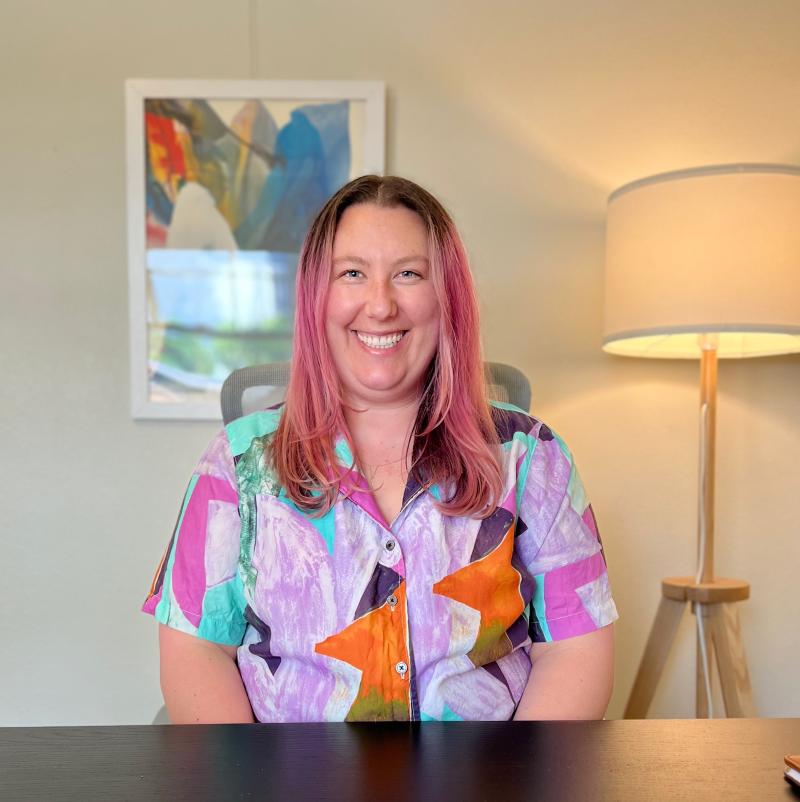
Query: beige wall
x=514 y=114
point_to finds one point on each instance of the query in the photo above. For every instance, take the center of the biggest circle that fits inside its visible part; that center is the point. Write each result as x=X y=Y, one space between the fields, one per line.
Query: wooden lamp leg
x=733 y=674
x=662 y=634
x=716 y=602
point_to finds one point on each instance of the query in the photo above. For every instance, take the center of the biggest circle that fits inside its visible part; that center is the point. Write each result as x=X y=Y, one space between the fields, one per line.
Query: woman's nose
x=380 y=301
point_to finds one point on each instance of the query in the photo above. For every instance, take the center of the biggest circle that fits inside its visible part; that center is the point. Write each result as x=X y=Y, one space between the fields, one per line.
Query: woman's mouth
x=380 y=341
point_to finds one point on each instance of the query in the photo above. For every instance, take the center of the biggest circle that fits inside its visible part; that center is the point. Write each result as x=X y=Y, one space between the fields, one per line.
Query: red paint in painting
x=166 y=154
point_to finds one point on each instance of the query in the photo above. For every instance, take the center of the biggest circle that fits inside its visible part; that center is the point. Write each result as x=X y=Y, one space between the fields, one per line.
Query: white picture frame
x=181 y=172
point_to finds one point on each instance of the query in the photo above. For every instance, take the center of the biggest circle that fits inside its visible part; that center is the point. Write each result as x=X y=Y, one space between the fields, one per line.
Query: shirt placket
x=399 y=675
x=392 y=557
x=410 y=498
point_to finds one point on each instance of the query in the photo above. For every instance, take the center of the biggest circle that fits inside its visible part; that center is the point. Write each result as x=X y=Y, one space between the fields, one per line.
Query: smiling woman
x=382 y=329
x=387 y=544
x=384 y=258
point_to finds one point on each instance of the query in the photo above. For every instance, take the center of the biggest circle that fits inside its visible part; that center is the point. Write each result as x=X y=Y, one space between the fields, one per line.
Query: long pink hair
x=455 y=443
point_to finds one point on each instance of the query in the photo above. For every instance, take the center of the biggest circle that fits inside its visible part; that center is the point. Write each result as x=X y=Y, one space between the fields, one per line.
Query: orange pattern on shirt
x=375 y=643
x=490 y=586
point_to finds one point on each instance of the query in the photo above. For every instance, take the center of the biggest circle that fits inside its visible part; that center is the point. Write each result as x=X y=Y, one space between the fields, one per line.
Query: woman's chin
x=385 y=391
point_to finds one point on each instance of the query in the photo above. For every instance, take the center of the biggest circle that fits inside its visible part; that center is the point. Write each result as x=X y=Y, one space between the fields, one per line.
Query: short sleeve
x=197 y=588
x=559 y=545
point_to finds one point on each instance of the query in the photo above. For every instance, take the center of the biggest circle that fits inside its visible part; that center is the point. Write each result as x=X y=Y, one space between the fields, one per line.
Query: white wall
x=501 y=109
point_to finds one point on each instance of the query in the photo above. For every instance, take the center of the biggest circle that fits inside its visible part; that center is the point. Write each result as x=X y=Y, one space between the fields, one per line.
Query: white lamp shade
x=714 y=250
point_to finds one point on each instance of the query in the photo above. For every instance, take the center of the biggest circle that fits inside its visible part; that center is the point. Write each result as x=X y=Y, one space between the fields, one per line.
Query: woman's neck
x=382 y=434
x=382 y=442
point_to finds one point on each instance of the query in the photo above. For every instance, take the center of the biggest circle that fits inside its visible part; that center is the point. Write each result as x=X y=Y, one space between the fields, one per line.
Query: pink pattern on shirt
x=566 y=615
x=189 y=570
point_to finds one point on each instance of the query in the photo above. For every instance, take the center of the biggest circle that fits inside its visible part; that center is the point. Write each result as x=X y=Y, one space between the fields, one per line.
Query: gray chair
x=256 y=387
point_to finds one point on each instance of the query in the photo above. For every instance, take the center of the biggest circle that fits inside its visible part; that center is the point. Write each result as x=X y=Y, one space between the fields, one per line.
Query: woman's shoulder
x=548 y=457
x=260 y=425
x=511 y=423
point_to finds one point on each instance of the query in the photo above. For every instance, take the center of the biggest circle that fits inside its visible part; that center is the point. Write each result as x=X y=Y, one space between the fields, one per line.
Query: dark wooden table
x=606 y=760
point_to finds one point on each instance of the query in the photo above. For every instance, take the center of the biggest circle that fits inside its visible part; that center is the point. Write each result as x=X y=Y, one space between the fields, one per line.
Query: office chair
x=256 y=387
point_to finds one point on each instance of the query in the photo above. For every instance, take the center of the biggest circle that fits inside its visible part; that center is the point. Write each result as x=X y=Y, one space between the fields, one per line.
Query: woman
x=387 y=544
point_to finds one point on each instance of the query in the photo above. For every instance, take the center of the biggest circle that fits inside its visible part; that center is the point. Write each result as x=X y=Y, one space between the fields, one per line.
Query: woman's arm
x=570 y=679
x=200 y=680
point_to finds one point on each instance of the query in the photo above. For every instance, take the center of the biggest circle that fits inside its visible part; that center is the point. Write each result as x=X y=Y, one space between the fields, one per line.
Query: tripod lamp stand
x=703 y=263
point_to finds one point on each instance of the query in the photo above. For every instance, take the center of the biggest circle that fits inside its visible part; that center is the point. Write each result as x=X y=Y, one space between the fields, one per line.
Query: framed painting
x=224 y=178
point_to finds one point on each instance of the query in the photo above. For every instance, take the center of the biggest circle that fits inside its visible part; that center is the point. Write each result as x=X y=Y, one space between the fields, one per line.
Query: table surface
x=535 y=761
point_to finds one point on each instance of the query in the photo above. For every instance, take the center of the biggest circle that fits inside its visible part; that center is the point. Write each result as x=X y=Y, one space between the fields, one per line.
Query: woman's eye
x=409 y=274
x=351 y=273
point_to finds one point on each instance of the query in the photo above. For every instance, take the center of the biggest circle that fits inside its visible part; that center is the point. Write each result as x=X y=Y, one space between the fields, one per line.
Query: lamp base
x=714 y=601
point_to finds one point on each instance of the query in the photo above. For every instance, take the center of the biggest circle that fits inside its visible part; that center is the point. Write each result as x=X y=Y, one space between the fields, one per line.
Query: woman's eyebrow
x=412 y=258
x=355 y=259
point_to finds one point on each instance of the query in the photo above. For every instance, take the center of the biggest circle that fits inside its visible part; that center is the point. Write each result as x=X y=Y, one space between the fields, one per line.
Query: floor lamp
x=703 y=263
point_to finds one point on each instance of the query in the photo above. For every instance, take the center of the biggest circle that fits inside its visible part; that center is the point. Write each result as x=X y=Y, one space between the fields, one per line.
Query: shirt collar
x=355 y=487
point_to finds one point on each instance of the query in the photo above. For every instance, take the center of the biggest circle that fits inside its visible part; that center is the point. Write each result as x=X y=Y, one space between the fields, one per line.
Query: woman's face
x=382 y=316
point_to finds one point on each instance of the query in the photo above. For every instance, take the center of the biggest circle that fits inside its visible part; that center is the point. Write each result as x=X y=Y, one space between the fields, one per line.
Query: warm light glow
x=714 y=250
x=731 y=345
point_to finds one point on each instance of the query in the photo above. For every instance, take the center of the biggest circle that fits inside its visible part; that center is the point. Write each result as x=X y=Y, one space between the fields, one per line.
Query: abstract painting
x=224 y=179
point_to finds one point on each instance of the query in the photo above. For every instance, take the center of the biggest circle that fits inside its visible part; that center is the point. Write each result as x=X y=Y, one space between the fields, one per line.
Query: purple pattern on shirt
x=262 y=648
x=380 y=586
x=492 y=531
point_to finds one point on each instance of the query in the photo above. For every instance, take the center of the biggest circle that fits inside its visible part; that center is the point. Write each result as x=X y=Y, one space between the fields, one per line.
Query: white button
x=390 y=544
x=401 y=668
x=392 y=601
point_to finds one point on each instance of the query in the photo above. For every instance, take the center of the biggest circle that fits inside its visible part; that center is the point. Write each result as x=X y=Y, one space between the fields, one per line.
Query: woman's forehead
x=367 y=225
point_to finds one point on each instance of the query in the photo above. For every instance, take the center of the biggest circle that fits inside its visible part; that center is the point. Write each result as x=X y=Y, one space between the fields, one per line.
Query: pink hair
x=455 y=443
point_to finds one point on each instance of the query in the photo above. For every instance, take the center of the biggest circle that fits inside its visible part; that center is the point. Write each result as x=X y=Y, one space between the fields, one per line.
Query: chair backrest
x=508 y=384
x=256 y=387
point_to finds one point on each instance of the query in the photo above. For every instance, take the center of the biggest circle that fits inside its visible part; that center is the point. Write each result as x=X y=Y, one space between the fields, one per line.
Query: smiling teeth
x=384 y=341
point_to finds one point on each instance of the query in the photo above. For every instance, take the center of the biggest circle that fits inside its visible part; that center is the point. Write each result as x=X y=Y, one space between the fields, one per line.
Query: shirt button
x=401 y=669
x=390 y=544
x=392 y=601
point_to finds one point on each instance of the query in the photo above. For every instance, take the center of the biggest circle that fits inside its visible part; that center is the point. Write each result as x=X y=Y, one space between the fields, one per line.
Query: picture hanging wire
x=253 y=25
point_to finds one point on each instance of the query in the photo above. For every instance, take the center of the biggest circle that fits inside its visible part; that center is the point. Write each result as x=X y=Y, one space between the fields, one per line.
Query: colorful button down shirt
x=343 y=617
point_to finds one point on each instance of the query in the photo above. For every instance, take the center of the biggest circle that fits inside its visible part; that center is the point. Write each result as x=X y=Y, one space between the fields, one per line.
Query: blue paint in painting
x=158 y=204
x=313 y=150
x=331 y=120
